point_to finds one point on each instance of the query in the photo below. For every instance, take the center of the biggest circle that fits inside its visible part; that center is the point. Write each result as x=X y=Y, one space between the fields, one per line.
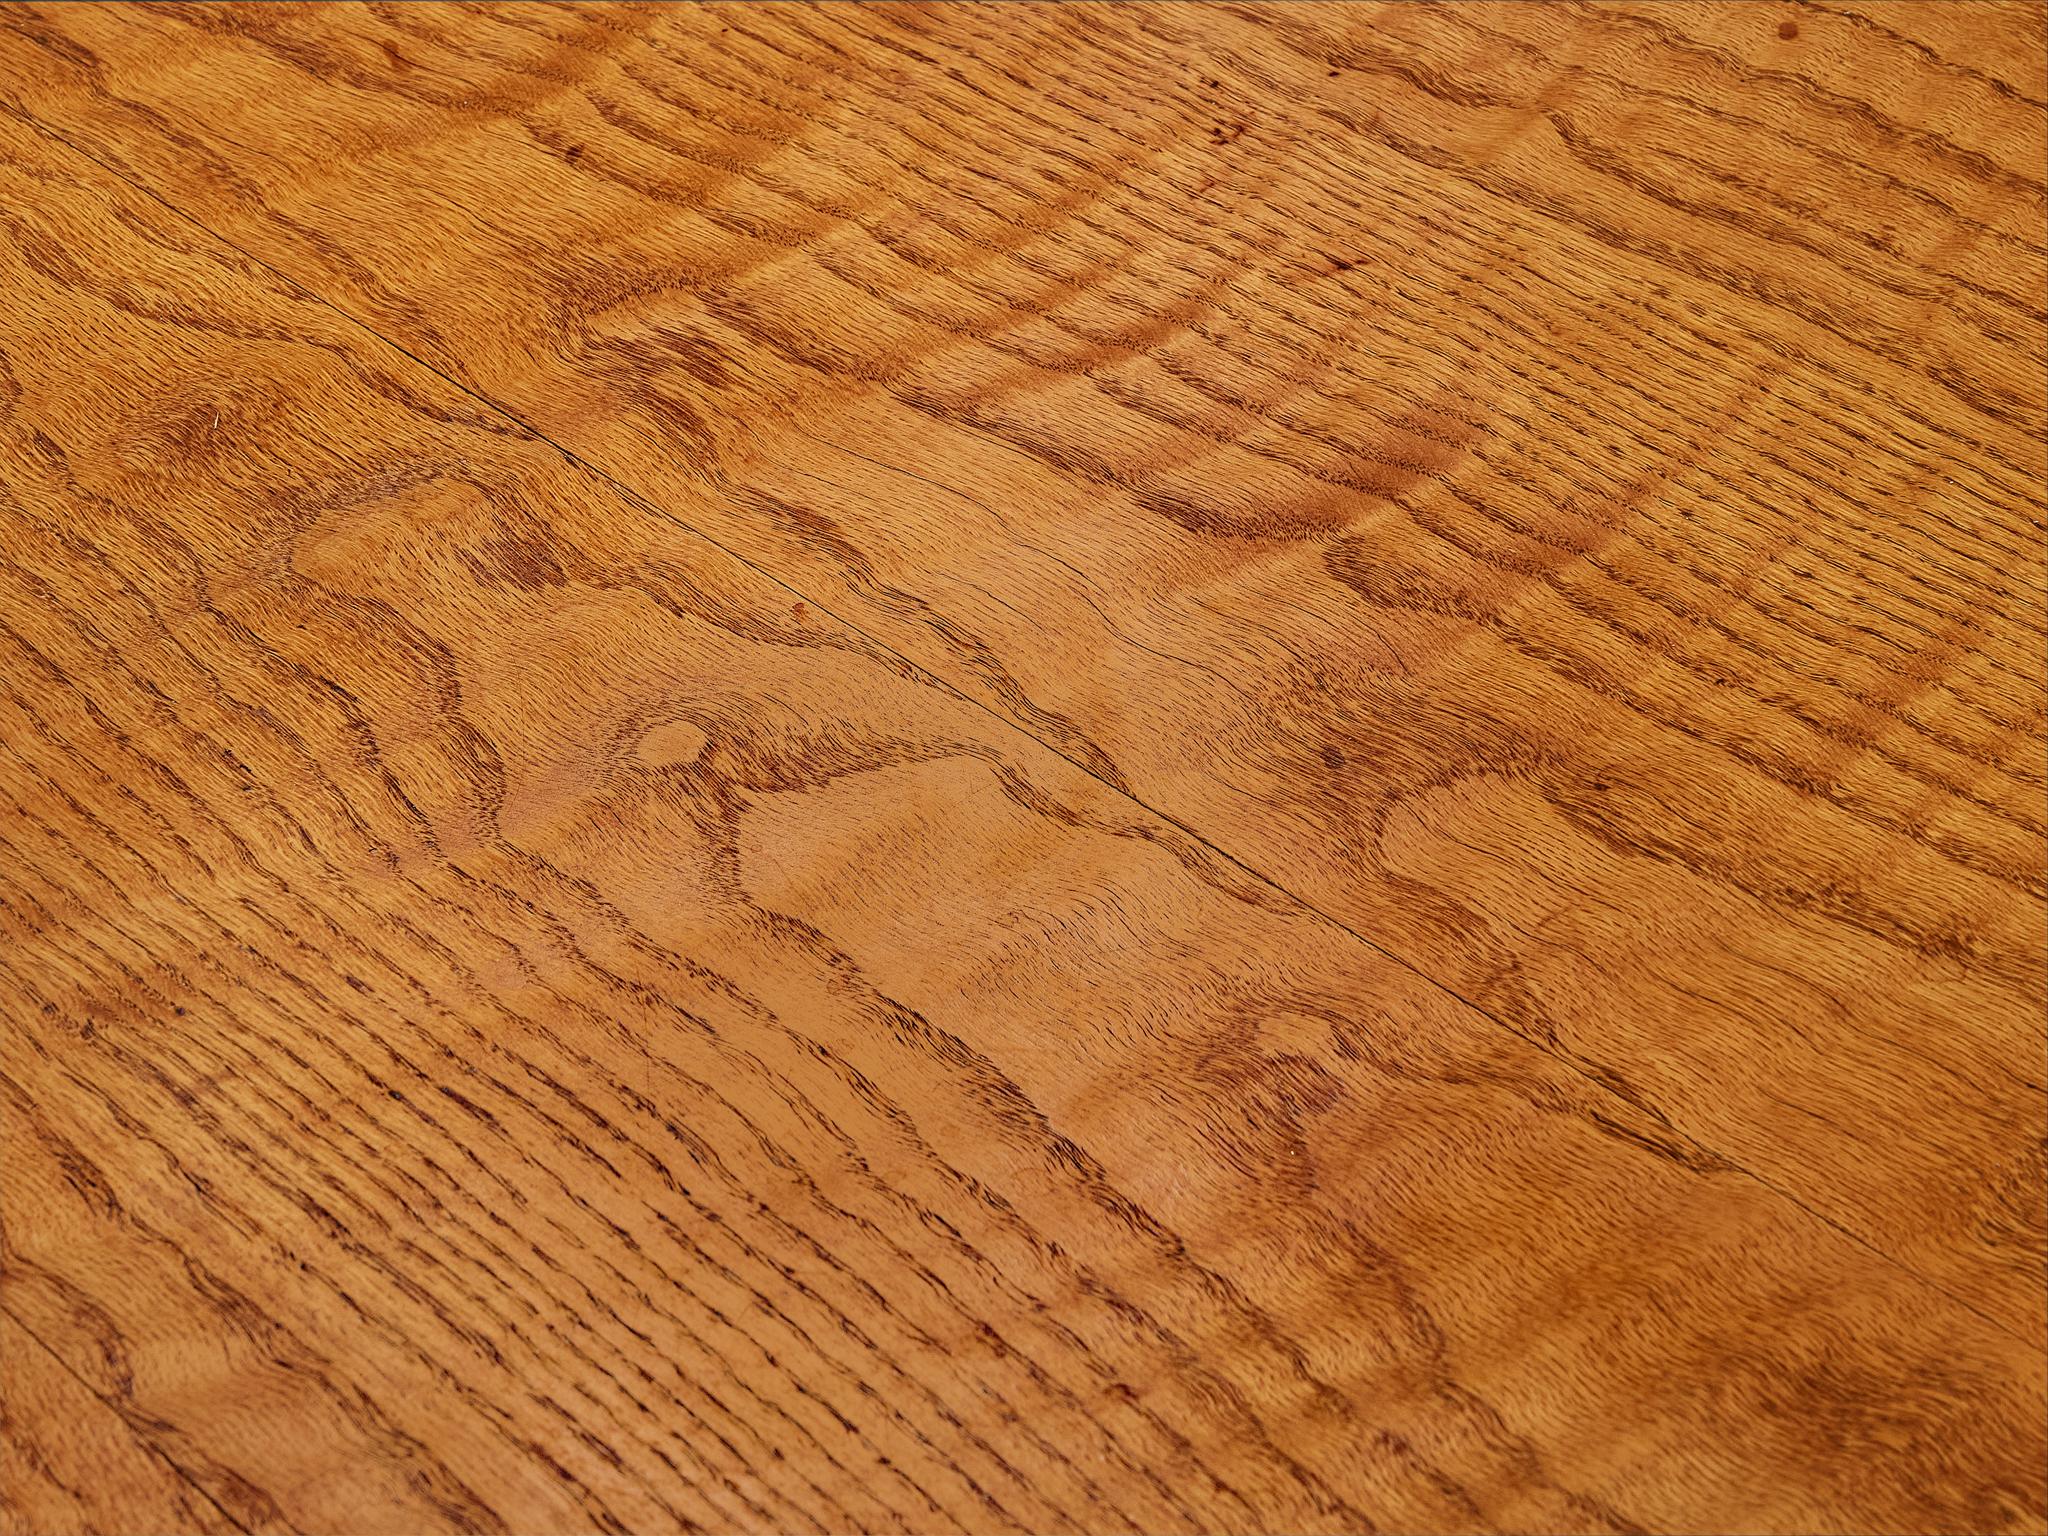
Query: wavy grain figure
x=1213 y=768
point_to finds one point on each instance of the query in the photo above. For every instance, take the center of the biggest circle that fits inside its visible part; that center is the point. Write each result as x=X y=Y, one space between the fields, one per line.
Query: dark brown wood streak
x=1087 y=768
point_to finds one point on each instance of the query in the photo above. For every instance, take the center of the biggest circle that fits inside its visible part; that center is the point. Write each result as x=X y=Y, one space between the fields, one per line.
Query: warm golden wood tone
x=1022 y=768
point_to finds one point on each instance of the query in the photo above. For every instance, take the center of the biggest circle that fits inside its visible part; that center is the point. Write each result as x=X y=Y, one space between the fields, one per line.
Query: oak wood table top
x=997 y=768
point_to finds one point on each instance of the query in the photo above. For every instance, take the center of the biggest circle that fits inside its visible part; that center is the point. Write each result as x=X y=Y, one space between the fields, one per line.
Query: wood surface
x=1049 y=768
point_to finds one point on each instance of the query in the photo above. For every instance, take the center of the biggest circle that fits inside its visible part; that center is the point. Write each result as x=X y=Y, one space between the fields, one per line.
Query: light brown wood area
x=1049 y=768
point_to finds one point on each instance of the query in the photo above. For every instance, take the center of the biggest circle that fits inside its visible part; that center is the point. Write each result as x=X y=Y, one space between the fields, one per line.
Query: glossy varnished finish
x=811 y=768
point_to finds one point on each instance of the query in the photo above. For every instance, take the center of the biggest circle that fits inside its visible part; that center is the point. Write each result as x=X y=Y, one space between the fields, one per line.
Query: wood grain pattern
x=823 y=768
x=1579 y=465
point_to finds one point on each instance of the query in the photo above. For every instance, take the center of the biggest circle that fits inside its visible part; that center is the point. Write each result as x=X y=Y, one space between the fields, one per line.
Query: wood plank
x=1557 y=487
x=516 y=1021
x=70 y=1465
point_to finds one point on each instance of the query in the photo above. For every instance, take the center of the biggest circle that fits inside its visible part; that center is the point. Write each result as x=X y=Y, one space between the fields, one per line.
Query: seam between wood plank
x=645 y=503
x=99 y=1397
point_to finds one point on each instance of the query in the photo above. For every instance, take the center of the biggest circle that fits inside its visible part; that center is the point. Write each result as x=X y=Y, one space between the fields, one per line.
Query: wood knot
x=678 y=741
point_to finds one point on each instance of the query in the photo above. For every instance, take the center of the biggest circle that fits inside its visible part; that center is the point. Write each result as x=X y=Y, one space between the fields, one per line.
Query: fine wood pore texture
x=1097 y=768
